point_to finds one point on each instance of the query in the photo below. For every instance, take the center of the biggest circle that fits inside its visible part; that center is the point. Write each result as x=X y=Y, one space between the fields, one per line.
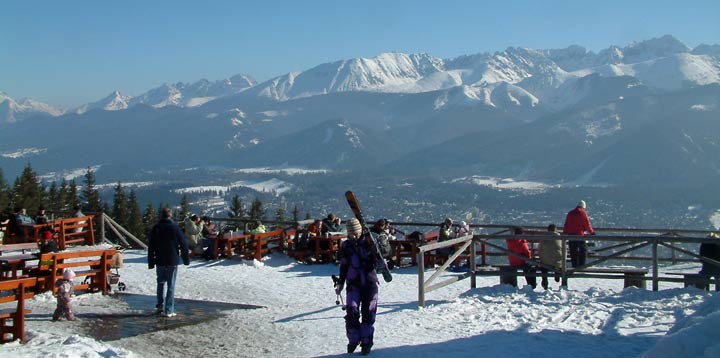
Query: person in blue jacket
x=167 y=245
x=357 y=269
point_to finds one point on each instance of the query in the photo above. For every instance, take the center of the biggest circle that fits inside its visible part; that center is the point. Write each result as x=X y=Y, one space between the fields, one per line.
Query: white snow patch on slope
x=507 y=184
x=23 y=153
x=69 y=174
x=288 y=171
x=271 y=185
x=715 y=220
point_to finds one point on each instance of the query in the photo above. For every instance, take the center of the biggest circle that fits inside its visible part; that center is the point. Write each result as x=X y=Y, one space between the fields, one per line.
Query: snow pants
x=578 y=252
x=64 y=308
x=361 y=302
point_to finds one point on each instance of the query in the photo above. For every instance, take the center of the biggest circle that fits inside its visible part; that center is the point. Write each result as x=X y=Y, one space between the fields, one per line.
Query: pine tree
x=308 y=216
x=149 y=220
x=62 y=199
x=280 y=215
x=4 y=194
x=119 y=208
x=257 y=212
x=237 y=208
x=135 y=217
x=27 y=191
x=52 y=202
x=90 y=194
x=71 y=197
x=296 y=214
x=184 y=211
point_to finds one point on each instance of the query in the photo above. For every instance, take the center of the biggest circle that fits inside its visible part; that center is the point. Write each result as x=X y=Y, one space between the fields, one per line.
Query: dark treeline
x=29 y=191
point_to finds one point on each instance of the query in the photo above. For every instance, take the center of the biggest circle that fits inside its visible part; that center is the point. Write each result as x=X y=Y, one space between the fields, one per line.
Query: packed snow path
x=299 y=318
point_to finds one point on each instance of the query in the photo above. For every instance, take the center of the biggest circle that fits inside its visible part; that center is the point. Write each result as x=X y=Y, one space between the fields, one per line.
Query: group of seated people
x=199 y=232
x=13 y=226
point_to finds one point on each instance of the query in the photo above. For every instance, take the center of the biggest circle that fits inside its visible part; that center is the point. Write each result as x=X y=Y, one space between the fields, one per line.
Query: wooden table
x=11 y=264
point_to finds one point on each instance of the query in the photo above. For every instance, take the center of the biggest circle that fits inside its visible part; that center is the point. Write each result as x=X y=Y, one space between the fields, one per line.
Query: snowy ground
x=299 y=318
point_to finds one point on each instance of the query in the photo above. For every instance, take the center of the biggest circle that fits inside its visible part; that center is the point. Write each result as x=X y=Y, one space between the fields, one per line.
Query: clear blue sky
x=72 y=52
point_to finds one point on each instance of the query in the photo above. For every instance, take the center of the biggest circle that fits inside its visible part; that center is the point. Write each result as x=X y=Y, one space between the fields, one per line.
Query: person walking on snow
x=166 y=240
x=65 y=291
x=577 y=223
x=357 y=269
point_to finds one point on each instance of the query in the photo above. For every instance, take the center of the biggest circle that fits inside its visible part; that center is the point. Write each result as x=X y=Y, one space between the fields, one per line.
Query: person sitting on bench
x=520 y=247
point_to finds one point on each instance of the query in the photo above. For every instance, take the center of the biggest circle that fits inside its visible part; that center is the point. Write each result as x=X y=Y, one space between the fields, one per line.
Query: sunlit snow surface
x=593 y=318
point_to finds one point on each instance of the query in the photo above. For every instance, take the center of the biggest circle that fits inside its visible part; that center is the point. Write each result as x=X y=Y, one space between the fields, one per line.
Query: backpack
x=417 y=236
x=383 y=241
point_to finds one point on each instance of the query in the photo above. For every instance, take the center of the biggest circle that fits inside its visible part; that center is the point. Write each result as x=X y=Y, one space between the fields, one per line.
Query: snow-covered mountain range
x=514 y=77
x=563 y=116
x=12 y=110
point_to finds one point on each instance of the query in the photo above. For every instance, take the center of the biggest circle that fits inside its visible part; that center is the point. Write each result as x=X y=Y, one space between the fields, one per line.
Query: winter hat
x=582 y=204
x=68 y=274
x=353 y=227
x=47 y=235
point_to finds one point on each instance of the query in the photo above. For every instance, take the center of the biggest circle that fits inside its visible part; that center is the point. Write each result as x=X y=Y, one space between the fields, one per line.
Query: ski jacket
x=65 y=288
x=165 y=241
x=711 y=251
x=577 y=222
x=445 y=233
x=550 y=252
x=357 y=262
x=518 y=246
x=193 y=232
x=258 y=230
x=330 y=226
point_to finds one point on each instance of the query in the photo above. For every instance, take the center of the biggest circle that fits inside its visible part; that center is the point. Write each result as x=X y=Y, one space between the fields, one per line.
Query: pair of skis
x=381 y=264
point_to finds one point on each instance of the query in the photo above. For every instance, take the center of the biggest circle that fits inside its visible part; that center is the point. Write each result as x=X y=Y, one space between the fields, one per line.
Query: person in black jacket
x=166 y=240
x=711 y=251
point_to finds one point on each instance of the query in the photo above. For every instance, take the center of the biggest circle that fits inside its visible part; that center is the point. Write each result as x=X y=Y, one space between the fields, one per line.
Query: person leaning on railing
x=711 y=251
x=578 y=223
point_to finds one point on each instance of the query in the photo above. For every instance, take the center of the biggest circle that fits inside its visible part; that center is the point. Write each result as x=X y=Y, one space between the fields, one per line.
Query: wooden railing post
x=655 y=273
x=421 y=278
x=473 y=279
x=102 y=227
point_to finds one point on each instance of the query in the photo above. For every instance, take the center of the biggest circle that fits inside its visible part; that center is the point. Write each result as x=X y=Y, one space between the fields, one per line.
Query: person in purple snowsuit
x=65 y=291
x=357 y=269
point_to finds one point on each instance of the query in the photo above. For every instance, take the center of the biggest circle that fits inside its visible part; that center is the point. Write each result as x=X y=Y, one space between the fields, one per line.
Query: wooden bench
x=508 y=274
x=292 y=245
x=404 y=248
x=632 y=276
x=226 y=244
x=261 y=244
x=693 y=279
x=95 y=265
x=15 y=290
x=326 y=248
x=75 y=231
x=32 y=232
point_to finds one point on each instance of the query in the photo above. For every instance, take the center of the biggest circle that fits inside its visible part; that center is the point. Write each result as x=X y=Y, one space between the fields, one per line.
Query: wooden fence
x=616 y=244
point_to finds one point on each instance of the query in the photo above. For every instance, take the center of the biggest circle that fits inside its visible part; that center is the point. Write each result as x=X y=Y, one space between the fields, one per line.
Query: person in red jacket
x=520 y=247
x=578 y=223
